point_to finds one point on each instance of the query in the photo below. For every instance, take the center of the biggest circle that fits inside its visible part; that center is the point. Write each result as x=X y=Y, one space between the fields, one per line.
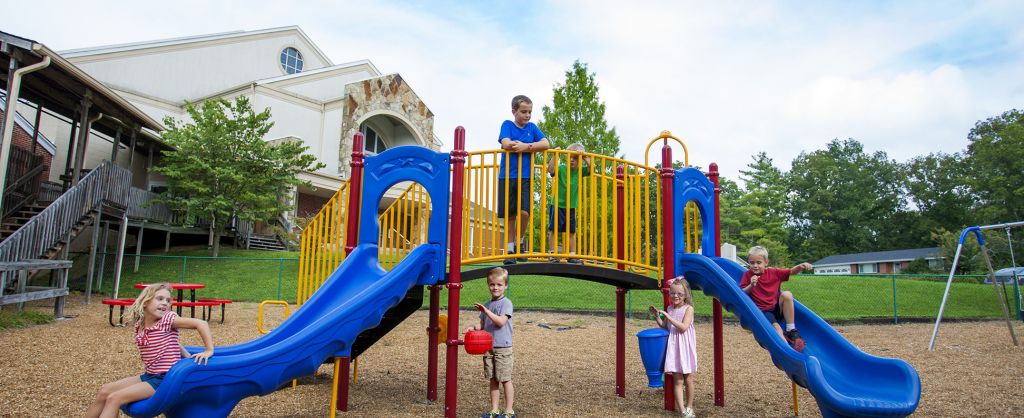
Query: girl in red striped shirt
x=156 y=334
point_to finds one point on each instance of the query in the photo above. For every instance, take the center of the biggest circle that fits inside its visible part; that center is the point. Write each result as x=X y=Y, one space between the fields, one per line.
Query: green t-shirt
x=569 y=179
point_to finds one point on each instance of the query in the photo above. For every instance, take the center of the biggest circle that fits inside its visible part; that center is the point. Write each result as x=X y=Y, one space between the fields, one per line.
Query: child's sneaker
x=507 y=415
x=492 y=414
x=794 y=340
x=509 y=261
x=688 y=413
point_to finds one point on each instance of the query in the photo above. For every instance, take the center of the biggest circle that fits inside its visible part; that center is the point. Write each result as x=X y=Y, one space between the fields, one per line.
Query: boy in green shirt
x=566 y=200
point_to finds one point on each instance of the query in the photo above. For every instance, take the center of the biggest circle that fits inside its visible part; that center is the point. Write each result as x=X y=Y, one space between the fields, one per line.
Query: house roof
x=881 y=256
x=62 y=85
x=1009 y=271
x=106 y=49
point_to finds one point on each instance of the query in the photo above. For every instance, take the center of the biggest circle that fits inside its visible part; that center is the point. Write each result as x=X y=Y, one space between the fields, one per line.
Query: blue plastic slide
x=845 y=381
x=352 y=300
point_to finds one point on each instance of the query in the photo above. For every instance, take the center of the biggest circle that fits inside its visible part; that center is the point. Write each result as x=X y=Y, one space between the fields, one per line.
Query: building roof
x=106 y=49
x=881 y=256
x=62 y=85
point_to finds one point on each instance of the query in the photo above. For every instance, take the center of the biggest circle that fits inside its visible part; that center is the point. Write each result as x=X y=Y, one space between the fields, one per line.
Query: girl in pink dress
x=681 y=353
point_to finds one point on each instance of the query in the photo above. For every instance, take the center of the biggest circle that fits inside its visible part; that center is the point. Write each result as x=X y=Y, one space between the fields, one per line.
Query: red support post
x=343 y=384
x=620 y=293
x=432 y=330
x=352 y=235
x=451 y=389
x=620 y=342
x=719 y=357
x=355 y=185
x=669 y=247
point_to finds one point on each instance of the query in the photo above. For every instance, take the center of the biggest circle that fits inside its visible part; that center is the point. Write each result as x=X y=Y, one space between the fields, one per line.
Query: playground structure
x=1000 y=292
x=360 y=275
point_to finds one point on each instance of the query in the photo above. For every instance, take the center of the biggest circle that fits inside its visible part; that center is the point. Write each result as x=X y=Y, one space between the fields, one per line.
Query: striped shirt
x=158 y=344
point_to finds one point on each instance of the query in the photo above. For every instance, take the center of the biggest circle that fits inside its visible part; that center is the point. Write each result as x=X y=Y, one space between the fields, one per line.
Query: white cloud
x=730 y=79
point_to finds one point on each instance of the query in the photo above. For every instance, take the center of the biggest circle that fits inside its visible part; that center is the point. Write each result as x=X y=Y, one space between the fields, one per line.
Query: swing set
x=1000 y=291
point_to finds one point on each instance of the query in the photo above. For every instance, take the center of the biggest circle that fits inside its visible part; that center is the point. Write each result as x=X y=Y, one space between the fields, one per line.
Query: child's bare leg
x=778 y=329
x=788 y=312
x=677 y=390
x=510 y=395
x=572 y=243
x=132 y=393
x=511 y=227
x=688 y=379
x=101 y=396
x=495 y=394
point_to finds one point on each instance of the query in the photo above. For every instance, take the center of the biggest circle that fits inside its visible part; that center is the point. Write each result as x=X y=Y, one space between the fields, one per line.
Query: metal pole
x=945 y=295
x=1000 y=294
x=716 y=307
x=1013 y=274
x=620 y=254
x=668 y=223
x=92 y=255
x=895 y=310
x=451 y=382
x=122 y=235
x=432 y=329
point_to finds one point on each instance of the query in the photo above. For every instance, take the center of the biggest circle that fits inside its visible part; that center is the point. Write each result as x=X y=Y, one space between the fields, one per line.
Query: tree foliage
x=578 y=115
x=221 y=166
x=843 y=200
x=995 y=155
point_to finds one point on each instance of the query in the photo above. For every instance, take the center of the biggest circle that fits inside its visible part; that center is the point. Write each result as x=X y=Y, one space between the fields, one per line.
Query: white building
x=311 y=99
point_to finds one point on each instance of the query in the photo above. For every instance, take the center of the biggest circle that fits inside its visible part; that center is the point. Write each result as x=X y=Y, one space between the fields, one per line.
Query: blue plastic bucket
x=652 y=353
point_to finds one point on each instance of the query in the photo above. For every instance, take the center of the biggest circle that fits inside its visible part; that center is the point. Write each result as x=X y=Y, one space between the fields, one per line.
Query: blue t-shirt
x=527 y=134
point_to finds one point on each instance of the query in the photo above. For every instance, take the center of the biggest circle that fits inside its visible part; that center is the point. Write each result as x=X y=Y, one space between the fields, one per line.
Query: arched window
x=373 y=143
x=291 y=60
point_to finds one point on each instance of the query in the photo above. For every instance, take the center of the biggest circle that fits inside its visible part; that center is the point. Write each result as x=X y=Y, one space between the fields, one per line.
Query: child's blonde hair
x=498 y=273
x=758 y=250
x=520 y=99
x=681 y=282
x=138 y=309
x=576 y=146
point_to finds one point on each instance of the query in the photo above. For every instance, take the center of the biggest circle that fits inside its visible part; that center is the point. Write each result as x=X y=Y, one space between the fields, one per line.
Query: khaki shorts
x=498 y=364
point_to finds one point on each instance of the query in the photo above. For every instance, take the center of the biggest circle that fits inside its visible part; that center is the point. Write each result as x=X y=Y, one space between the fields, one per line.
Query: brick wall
x=309 y=205
x=23 y=140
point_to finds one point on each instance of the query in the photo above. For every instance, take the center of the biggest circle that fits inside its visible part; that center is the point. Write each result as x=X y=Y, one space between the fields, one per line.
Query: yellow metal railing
x=403 y=225
x=485 y=235
x=322 y=246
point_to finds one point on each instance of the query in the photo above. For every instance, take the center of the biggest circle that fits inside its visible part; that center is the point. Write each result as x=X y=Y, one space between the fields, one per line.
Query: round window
x=291 y=60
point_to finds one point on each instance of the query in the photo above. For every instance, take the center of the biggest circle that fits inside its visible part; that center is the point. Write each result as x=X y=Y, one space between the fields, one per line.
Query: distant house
x=880 y=262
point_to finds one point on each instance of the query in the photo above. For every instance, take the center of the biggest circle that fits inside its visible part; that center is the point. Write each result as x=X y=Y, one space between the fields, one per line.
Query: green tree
x=221 y=166
x=578 y=115
x=995 y=155
x=938 y=185
x=766 y=191
x=843 y=200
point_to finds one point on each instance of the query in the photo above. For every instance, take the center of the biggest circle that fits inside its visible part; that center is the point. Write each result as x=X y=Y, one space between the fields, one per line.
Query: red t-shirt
x=766 y=292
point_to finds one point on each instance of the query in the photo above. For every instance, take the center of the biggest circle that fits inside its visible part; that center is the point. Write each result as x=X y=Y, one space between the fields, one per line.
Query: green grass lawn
x=250 y=275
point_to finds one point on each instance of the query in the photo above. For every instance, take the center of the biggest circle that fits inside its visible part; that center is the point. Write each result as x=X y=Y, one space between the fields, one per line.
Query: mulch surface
x=564 y=367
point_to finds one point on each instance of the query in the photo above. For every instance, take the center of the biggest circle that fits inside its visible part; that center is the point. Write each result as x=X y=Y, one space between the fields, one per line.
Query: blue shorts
x=775 y=315
x=154 y=380
x=562 y=219
x=520 y=197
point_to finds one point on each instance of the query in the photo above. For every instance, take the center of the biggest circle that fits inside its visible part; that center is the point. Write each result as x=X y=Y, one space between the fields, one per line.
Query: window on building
x=291 y=60
x=867 y=268
x=373 y=143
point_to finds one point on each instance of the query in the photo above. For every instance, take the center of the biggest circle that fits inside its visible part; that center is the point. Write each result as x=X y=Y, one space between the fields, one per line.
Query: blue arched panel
x=690 y=184
x=430 y=169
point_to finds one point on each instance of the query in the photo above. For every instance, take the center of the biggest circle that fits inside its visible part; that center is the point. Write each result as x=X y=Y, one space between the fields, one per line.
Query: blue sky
x=730 y=78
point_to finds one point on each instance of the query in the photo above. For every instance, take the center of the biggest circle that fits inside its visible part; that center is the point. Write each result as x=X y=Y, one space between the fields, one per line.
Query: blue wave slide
x=353 y=299
x=845 y=381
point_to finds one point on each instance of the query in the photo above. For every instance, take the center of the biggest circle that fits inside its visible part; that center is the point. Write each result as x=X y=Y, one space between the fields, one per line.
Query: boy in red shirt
x=763 y=285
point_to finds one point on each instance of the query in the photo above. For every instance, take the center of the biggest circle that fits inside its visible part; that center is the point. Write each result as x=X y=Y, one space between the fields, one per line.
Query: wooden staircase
x=265 y=242
x=21 y=217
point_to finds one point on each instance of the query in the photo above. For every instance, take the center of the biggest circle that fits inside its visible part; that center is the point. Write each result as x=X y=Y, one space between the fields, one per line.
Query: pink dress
x=681 y=353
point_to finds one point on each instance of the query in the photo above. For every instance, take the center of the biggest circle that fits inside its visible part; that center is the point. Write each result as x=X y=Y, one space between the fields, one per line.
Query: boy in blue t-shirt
x=519 y=138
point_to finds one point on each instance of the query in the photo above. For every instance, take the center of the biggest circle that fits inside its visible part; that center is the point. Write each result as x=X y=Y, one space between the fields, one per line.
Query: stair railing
x=22 y=182
x=51 y=226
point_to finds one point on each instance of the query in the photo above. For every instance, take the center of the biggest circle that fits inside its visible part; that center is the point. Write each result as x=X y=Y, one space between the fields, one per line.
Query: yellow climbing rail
x=403 y=225
x=322 y=246
x=598 y=232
